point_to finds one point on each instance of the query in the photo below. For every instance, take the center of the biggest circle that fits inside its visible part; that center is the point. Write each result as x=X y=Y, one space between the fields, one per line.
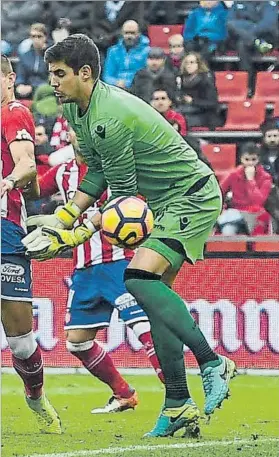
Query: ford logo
x=11 y=269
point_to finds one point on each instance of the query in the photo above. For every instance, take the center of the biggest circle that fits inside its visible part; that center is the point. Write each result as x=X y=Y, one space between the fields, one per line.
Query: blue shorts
x=11 y=236
x=94 y=294
x=16 y=277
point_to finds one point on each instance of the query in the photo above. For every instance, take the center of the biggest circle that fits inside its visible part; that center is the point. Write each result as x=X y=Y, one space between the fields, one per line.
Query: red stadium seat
x=159 y=34
x=276 y=109
x=246 y=115
x=199 y=129
x=231 y=85
x=221 y=156
x=226 y=246
x=267 y=86
x=266 y=246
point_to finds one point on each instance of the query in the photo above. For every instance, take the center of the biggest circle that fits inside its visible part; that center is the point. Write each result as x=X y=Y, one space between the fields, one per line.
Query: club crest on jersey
x=23 y=135
x=101 y=131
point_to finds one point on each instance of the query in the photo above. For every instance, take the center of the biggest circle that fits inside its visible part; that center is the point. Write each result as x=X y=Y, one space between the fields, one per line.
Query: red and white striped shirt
x=17 y=125
x=66 y=178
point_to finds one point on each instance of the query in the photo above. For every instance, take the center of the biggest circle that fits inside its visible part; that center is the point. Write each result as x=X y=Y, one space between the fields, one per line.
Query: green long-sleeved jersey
x=131 y=148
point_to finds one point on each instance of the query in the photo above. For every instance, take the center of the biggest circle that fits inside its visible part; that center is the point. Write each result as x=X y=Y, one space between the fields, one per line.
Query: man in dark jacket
x=176 y=53
x=269 y=158
x=153 y=76
x=107 y=18
x=270 y=148
x=252 y=26
x=32 y=70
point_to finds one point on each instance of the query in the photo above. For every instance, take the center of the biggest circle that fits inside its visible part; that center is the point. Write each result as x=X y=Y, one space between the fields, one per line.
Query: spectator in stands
x=154 y=75
x=6 y=48
x=175 y=125
x=205 y=28
x=162 y=101
x=252 y=26
x=77 y=12
x=42 y=146
x=198 y=94
x=176 y=53
x=107 y=18
x=42 y=149
x=32 y=70
x=62 y=30
x=269 y=157
x=163 y=12
x=246 y=190
x=16 y=18
x=126 y=57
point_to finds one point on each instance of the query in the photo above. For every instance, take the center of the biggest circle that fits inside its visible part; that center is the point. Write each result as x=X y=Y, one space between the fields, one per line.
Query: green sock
x=166 y=309
x=169 y=350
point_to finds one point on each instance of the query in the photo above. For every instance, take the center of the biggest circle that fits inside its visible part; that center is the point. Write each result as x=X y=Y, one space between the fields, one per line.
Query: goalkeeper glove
x=44 y=243
x=64 y=217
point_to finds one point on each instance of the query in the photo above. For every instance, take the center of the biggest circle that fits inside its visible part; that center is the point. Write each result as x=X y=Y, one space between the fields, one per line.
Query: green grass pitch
x=250 y=418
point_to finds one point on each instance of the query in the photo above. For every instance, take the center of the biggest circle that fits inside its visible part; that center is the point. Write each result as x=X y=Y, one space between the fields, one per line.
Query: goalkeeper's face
x=68 y=86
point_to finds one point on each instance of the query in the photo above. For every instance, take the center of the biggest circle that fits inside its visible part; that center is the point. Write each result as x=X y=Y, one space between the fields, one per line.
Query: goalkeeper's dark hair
x=76 y=51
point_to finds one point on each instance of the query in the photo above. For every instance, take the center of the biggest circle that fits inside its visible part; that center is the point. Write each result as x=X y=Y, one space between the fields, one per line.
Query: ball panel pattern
x=111 y=220
x=126 y=221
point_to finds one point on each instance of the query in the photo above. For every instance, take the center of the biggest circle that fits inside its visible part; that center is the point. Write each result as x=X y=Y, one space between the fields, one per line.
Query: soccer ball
x=126 y=221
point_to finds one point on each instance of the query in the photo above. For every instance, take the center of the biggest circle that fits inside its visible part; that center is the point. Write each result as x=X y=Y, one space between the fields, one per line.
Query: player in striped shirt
x=101 y=267
x=18 y=170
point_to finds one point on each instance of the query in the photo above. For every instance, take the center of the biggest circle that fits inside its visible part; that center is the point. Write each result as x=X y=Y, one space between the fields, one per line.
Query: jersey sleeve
x=19 y=124
x=114 y=142
x=93 y=183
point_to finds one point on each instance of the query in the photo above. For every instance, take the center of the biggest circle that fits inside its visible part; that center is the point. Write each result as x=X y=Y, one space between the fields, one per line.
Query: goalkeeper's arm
x=49 y=241
x=65 y=216
x=90 y=189
x=83 y=201
x=69 y=213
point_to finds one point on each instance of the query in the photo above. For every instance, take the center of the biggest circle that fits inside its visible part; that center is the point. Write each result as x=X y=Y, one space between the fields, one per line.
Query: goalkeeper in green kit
x=132 y=149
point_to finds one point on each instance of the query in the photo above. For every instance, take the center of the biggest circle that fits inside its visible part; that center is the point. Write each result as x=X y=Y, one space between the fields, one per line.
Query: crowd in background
x=178 y=82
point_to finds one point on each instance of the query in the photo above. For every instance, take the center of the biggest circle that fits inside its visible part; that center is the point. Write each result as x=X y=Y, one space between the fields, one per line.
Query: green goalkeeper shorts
x=189 y=220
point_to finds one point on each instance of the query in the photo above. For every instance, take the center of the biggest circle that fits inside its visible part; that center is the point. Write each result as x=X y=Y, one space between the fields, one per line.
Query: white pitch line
x=121 y=450
x=144 y=371
x=8 y=390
